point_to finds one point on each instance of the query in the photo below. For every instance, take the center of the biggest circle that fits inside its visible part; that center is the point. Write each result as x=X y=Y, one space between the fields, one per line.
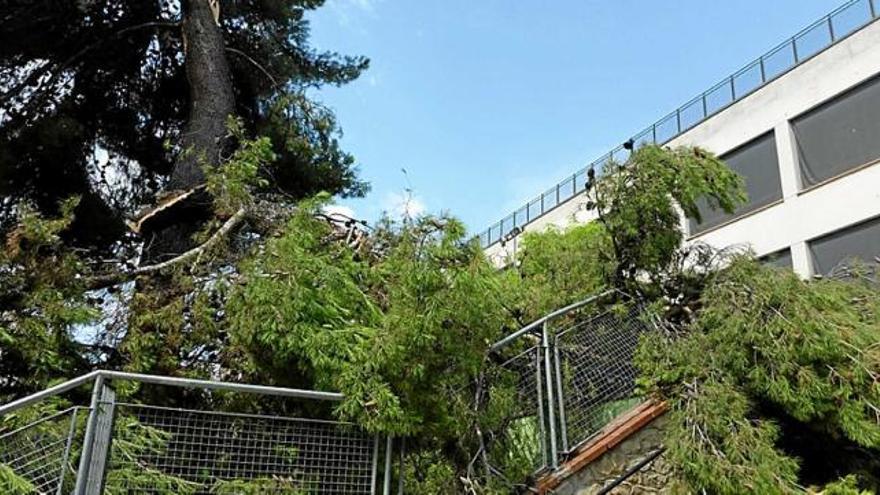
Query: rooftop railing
x=817 y=37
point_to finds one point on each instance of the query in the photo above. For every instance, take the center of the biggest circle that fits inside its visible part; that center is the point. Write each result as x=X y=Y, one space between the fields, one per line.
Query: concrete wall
x=802 y=215
x=655 y=477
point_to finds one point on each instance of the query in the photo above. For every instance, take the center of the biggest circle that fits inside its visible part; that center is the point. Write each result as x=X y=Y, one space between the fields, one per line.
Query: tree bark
x=211 y=95
x=212 y=101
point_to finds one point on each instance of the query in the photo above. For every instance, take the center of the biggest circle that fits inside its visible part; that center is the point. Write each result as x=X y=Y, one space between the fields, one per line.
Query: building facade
x=801 y=124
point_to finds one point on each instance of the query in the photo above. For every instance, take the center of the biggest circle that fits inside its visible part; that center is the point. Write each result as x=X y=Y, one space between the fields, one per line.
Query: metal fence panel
x=36 y=458
x=521 y=448
x=202 y=452
x=597 y=374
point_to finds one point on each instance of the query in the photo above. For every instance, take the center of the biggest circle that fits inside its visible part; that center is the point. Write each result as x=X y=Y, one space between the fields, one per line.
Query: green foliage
x=15 y=484
x=848 y=485
x=257 y=486
x=132 y=96
x=43 y=299
x=636 y=202
x=556 y=268
x=430 y=472
x=767 y=341
x=401 y=334
x=231 y=183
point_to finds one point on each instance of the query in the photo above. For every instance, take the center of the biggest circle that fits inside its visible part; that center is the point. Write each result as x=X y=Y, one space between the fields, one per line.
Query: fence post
x=86 y=456
x=548 y=376
x=70 y=434
x=402 y=454
x=540 y=406
x=103 y=437
x=96 y=441
x=374 y=472
x=563 y=427
x=386 y=482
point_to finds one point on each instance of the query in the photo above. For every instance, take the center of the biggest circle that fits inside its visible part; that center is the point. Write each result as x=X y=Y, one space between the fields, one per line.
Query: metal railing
x=825 y=32
x=117 y=447
x=574 y=377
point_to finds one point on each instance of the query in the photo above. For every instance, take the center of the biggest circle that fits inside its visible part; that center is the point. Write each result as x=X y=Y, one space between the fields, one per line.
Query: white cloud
x=403 y=205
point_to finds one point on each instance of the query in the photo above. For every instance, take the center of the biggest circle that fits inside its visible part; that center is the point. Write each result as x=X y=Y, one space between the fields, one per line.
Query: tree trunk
x=211 y=95
x=212 y=101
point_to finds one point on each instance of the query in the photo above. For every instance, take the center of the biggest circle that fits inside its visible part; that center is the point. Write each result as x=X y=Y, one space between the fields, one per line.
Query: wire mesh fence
x=206 y=452
x=577 y=379
x=597 y=376
x=37 y=458
x=114 y=447
x=522 y=440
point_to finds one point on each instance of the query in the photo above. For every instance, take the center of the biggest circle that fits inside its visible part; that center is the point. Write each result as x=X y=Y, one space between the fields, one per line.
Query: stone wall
x=654 y=477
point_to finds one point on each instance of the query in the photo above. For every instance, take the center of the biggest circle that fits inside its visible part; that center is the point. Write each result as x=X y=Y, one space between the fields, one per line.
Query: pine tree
x=121 y=101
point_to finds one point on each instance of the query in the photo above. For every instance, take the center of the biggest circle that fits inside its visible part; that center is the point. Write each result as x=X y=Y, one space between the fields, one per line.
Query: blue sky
x=486 y=103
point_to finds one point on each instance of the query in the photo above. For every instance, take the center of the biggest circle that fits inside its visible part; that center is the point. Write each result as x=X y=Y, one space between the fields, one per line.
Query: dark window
x=757 y=163
x=859 y=242
x=839 y=135
x=779 y=259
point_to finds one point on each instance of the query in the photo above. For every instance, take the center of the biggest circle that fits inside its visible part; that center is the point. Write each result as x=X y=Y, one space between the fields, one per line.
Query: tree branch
x=254 y=62
x=117 y=278
x=221 y=232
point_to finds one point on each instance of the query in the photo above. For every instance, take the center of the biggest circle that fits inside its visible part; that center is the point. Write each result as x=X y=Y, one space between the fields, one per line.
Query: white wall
x=801 y=215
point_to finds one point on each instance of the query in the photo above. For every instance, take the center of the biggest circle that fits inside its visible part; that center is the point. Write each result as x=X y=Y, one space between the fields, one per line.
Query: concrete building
x=801 y=124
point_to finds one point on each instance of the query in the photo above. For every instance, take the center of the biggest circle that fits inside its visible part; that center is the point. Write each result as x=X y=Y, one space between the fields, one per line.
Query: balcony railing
x=817 y=37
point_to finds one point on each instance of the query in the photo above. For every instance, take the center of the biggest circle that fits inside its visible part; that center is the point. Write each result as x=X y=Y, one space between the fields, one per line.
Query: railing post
x=831 y=29
x=548 y=376
x=103 y=438
x=70 y=434
x=386 y=482
x=871 y=7
x=794 y=49
x=402 y=454
x=563 y=426
x=85 y=459
x=96 y=441
x=763 y=70
x=374 y=472
x=540 y=405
